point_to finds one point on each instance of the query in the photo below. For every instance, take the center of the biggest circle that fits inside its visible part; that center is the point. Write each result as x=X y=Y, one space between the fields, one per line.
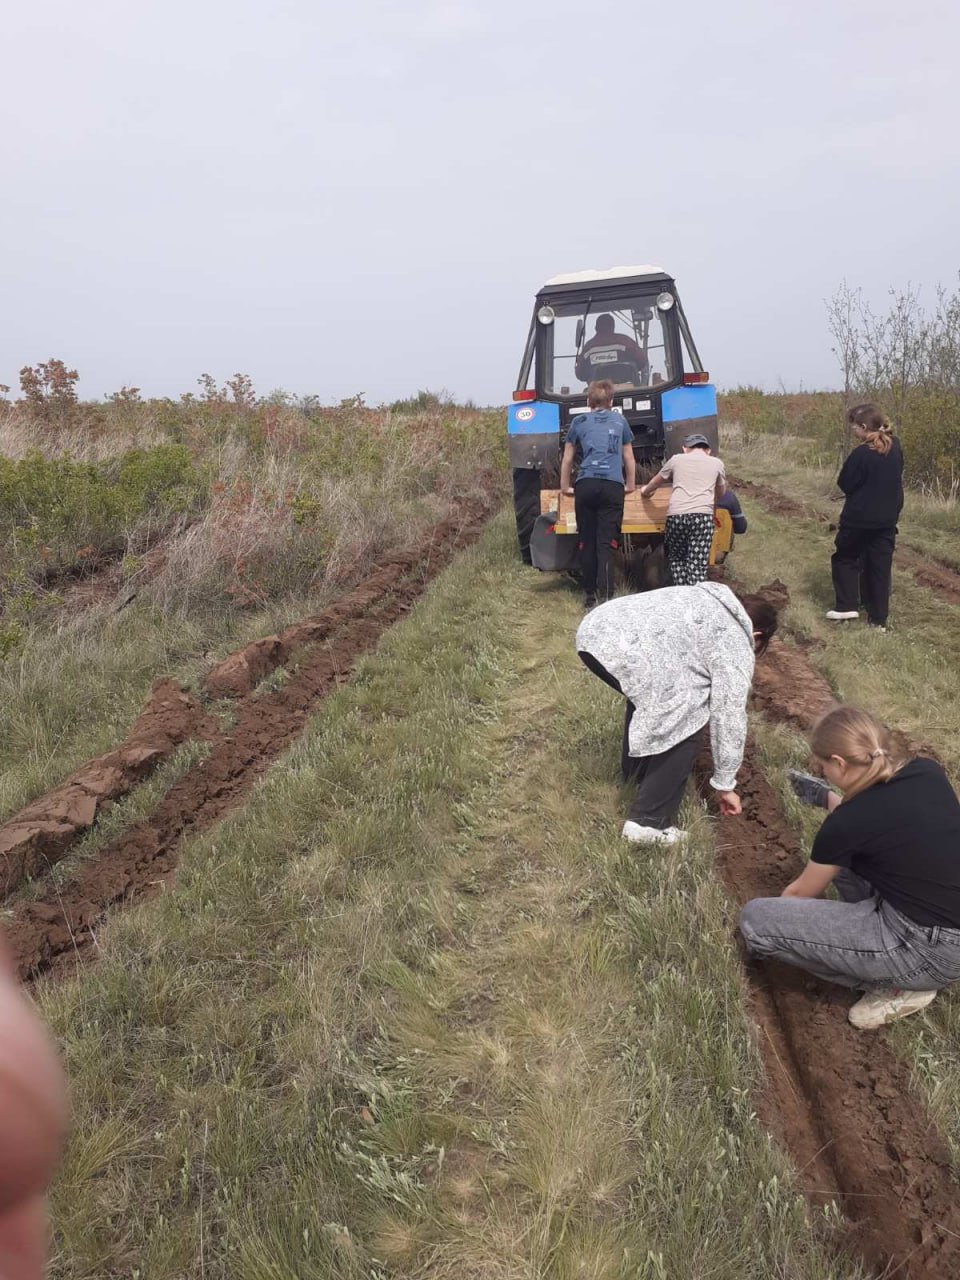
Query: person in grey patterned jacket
x=682 y=657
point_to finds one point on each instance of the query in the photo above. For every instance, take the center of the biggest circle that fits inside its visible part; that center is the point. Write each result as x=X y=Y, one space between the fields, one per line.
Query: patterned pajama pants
x=687 y=542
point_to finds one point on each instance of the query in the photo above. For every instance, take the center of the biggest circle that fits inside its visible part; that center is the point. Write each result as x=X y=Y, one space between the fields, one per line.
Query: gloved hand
x=810 y=790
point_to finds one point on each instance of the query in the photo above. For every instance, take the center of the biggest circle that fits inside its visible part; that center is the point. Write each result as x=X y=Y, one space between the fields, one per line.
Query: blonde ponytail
x=861 y=740
x=876 y=428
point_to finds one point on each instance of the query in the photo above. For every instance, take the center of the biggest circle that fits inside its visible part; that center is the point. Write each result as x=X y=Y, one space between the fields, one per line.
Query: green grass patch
x=907 y=675
x=417 y=1011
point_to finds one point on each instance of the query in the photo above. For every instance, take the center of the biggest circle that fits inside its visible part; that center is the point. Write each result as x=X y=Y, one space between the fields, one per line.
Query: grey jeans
x=860 y=942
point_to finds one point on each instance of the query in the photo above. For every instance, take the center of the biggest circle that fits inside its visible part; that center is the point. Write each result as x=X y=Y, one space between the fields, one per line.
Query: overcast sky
x=364 y=196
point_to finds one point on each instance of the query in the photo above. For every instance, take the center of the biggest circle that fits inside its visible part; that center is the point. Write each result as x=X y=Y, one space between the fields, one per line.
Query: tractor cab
x=626 y=325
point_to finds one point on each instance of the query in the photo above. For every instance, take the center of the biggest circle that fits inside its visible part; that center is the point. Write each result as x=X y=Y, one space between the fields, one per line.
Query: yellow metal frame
x=640 y=515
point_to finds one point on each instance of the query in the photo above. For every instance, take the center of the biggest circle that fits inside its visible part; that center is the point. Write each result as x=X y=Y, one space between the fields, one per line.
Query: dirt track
x=939 y=578
x=840 y=1100
x=56 y=926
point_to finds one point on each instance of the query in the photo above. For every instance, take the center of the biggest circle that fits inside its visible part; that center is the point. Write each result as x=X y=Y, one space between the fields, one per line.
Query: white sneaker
x=839 y=615
x=634 y=832
x=877 y=1008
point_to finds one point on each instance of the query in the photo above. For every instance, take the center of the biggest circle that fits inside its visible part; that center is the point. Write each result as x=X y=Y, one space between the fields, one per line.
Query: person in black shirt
x=891 y=849
x=872 y=480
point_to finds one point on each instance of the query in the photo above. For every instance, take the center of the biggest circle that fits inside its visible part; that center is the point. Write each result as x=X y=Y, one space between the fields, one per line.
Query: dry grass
x=21 y=434
x=297 y=508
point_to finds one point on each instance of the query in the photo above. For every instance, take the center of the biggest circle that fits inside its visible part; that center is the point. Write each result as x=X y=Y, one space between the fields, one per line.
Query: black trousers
x=662 y=778
x=861 y=568
x=599 y=509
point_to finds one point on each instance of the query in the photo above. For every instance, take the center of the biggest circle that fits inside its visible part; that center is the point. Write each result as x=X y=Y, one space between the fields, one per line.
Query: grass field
x=250 y=521
x=799 y=469
x=414 y=1010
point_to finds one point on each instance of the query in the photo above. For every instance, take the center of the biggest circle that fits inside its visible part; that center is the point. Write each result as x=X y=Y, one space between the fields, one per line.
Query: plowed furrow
x=58 y=925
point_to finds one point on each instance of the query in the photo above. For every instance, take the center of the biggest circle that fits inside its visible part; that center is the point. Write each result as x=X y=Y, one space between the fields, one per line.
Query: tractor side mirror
x=579 y=333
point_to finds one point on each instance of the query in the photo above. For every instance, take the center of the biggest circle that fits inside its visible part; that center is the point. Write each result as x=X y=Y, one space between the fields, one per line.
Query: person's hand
x=729 y=803
x=32 y=1123
x=568 y=492
x=644 y=491
x=629 y=488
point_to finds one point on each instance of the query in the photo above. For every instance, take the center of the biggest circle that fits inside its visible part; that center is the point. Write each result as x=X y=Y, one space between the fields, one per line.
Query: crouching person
x=891 y=849
x=682 y=657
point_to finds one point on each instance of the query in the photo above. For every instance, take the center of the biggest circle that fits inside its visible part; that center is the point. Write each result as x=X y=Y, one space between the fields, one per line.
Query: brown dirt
x=41 y=834
x=788 y=689
x=841 y=1101
x=939 y=578
x=57 y=926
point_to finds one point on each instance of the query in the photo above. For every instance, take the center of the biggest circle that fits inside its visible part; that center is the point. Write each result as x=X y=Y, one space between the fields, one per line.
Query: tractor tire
x=645 y=567
x=526 y=506
x=654 y=569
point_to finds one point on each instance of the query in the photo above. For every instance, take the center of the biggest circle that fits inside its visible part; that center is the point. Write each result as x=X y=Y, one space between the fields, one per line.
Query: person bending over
x=699 y=480
x=607 y=471
x=890 y=846
x=682 y=657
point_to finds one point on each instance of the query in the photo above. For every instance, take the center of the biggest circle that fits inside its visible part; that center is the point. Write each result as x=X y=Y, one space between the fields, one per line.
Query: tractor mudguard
x=549 y=550
x=526 y=507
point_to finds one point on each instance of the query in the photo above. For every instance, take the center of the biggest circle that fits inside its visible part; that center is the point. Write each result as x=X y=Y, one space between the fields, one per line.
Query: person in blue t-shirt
x=607 y=471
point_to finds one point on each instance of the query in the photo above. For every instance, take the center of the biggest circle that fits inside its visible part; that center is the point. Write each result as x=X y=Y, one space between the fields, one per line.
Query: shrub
x=50 y=389
x=55 y=513
x=907 y=360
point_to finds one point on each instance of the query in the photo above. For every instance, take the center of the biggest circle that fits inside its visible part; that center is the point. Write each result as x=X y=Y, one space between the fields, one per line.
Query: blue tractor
x=628 y=325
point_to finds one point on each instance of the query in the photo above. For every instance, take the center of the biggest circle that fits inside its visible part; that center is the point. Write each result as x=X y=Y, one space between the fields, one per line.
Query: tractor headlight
x=664 y=301
x=546 y=315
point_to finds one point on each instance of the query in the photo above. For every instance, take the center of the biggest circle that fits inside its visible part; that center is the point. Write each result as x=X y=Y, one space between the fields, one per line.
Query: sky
x=365 y=197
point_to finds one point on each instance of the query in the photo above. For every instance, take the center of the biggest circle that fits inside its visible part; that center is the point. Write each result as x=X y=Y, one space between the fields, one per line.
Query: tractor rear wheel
x=526 y=506
x=644 y=563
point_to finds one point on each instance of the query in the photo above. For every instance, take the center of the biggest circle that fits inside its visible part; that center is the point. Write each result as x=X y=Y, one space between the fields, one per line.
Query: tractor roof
x=639 y=274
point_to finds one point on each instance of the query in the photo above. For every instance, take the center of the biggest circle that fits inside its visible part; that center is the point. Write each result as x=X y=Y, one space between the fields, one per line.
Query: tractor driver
x=607 y=350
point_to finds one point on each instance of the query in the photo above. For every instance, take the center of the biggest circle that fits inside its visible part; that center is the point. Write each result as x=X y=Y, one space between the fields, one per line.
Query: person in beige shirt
x=698 y=479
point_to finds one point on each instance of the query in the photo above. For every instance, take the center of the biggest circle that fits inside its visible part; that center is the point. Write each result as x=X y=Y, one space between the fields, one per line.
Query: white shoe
x=877 y=1008
x=634 y=832
x=839 y=615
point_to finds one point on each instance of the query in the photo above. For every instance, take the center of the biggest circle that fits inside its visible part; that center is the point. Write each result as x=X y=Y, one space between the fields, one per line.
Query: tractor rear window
x=624 y=342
